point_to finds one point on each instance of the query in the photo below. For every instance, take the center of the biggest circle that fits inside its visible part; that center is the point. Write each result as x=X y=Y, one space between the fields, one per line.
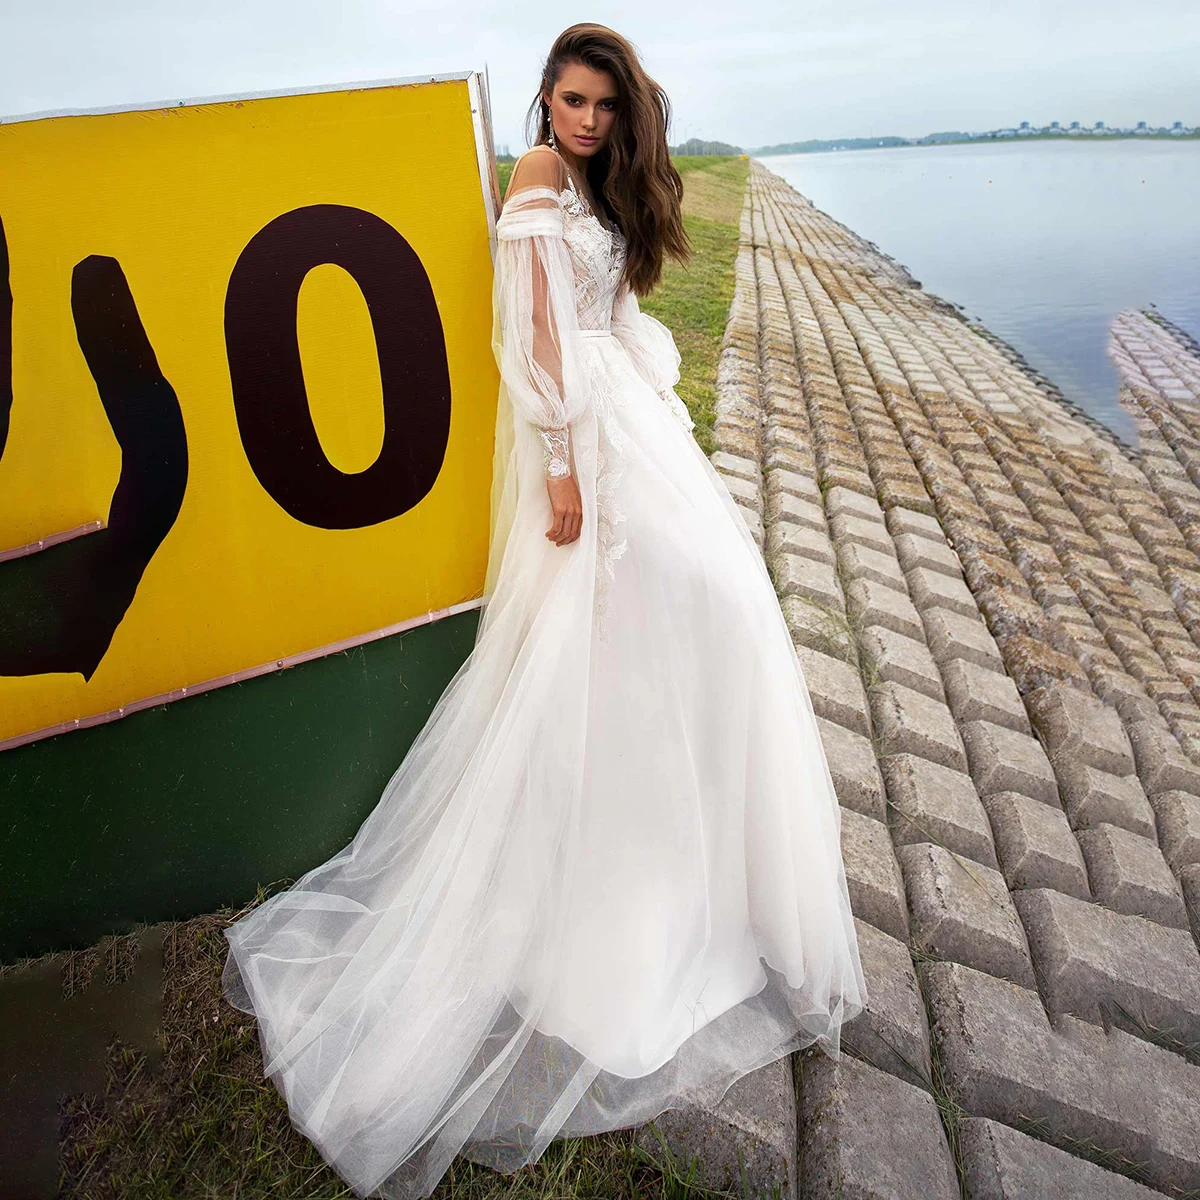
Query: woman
x=606 y=879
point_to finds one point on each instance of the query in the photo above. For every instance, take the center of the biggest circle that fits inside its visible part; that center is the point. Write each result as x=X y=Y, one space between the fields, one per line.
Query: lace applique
x=555 y=452
x=598 y=255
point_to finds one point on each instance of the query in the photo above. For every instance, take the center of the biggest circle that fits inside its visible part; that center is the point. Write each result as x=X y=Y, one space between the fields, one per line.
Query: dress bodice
x=597 y=255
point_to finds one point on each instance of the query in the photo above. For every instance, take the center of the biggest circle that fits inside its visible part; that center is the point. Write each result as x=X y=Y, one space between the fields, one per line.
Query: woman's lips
x=587 y=141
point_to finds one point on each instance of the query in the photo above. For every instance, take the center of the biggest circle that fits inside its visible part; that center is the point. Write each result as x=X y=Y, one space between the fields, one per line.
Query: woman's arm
x=533 y=318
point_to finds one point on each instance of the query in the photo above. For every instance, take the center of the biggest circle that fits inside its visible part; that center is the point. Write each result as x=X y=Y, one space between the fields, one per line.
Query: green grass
x=693 y=301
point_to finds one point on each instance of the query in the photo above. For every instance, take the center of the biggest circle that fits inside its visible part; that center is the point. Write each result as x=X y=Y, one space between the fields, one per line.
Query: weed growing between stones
x=1102 y=1156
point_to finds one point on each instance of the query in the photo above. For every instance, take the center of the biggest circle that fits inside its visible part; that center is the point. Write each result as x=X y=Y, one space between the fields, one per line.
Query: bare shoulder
x=539 y=166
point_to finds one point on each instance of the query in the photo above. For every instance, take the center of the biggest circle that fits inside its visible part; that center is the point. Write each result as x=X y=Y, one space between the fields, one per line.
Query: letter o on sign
x=269 y=396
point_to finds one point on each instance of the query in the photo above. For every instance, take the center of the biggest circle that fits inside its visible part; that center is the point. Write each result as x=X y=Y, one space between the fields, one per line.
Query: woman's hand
x=567 y=509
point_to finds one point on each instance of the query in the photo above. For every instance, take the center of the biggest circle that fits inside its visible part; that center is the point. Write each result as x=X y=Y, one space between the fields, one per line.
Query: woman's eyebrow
x=568 y=92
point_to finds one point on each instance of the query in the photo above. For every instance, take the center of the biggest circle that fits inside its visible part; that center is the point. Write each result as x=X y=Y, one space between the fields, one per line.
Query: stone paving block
x=961 y=910
x=1003 y=760
x=808 y=513
x=1130 y=875
x=1152 y=599
x=1161 y=764
x=798 y=576
x=839 y=476
x=732 y=464
x=866 y=1135
x=871 y=603
x=1189 y=878
x=952 y=636
x=1003 y=1060
x=966 y=534
x=1080 y=726
x=917 y=551
x=744 y=491
x=836 y=690
x=1009 y=614
x=904 y=520
x=1004 y=1164
x=932 y=589
x=796 y=510
x=929 y=802
x=1112 y=684
x=776 y=456
x=845 y=501
x=978 y=693
x=908 y=722
x=780 y=479
x=899 y=659
x=786 y=538
x=1033 y=663
x=1092 y=962
x=856 y=778
x=848 y=528
x=818 y=626
x=861 y=562
x=891 y=1032
x=985 y=570
x=756 y=1116
x=1177 y=815
x=1094 y=797
x=873 y=876
x=1035 y=845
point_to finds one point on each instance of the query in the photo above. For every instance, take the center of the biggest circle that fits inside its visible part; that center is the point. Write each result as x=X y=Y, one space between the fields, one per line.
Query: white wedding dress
x=606 y=879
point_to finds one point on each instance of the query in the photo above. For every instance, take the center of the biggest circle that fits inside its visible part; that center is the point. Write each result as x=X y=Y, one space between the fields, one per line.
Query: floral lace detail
x=555 y=452
x=598 y=254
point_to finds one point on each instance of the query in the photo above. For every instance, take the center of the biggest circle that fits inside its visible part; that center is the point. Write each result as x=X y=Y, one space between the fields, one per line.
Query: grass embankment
x=693 y=301
x=207 y=1124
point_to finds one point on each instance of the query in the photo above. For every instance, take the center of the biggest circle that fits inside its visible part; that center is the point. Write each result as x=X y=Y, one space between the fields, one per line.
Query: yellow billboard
x=247 y=395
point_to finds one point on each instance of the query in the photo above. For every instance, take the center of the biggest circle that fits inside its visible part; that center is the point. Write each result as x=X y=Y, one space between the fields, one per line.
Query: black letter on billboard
x=59 y=607
x=265 y=370
x=6 y=381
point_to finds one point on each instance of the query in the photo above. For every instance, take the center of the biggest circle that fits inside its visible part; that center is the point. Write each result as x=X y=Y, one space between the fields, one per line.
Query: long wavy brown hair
x=632 y=176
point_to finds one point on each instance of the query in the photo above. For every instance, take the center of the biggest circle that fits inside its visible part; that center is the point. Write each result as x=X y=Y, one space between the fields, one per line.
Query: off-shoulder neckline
x=560 y=194
x=572 y=190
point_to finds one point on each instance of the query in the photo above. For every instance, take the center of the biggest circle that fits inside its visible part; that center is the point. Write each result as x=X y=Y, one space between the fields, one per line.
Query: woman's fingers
x=566 y=527
x=560 y=535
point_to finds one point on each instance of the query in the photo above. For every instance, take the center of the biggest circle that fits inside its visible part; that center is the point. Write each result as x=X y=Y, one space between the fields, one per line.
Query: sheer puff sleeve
x=652 y=348
x=533 y=312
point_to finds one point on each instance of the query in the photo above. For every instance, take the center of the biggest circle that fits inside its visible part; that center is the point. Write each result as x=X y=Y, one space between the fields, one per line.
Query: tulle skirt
x=606 y=879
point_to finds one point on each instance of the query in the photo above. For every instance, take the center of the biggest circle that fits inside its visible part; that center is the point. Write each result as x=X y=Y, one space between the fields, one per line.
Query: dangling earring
x=550 y=128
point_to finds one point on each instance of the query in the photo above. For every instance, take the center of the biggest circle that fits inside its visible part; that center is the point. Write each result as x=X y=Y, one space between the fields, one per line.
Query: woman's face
x=583 y=109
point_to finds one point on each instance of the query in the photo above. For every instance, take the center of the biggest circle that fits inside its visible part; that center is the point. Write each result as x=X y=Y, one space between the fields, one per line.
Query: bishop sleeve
x=533 y=314
x=652 y=348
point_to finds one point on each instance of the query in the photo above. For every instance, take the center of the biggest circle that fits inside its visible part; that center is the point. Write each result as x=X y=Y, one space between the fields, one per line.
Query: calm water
x=1044 y=242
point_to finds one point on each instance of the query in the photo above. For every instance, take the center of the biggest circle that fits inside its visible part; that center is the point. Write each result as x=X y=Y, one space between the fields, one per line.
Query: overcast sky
x=746 y=73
